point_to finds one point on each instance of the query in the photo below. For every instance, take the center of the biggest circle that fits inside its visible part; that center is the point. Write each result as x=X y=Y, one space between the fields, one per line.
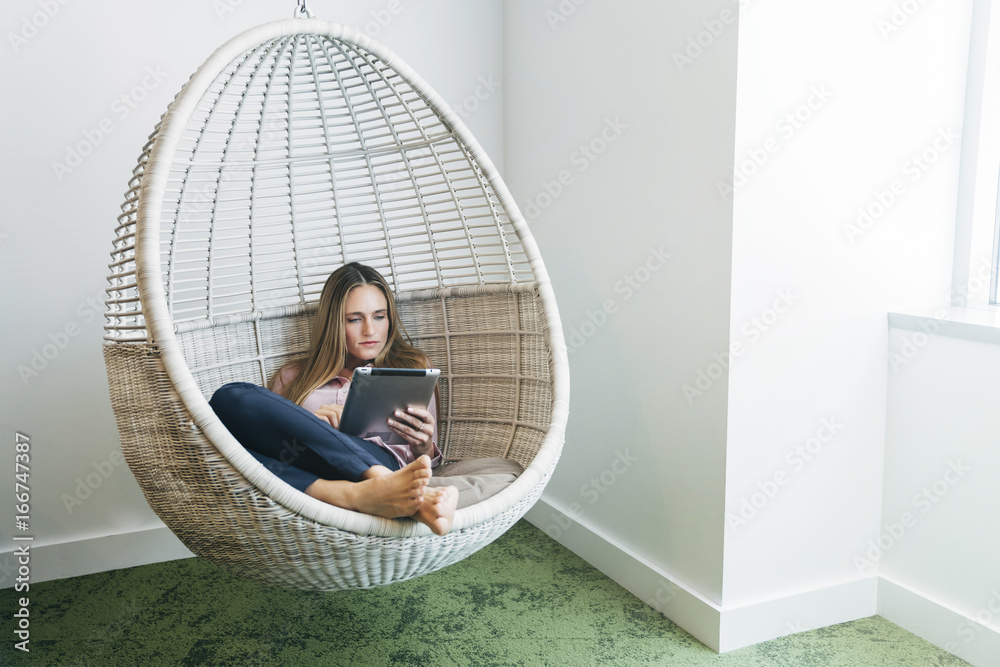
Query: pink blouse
x=334 y=392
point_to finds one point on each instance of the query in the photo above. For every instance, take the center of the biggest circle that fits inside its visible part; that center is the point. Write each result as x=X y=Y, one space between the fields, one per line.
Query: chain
x=301 y=11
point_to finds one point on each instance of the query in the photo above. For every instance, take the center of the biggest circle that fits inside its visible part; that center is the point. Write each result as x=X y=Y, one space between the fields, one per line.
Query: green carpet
x=524 y=600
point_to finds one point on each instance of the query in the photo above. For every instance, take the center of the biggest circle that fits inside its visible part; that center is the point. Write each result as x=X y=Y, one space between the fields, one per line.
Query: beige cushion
x=476 y=479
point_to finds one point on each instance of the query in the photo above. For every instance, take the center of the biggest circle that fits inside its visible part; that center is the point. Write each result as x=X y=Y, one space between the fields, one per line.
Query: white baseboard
x=799 y=612
x=97 y=554
x=718 y=627
x=975 y=638
x=680 y=603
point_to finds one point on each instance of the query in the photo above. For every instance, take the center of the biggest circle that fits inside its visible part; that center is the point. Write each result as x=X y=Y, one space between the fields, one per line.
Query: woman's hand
x=416 y=425
x=330 y=413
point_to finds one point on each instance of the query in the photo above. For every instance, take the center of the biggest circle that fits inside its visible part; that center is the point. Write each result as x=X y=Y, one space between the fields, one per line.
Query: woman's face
x=366 y=324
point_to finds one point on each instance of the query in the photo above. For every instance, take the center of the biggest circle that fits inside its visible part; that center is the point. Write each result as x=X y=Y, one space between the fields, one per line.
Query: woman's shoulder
x=284 y=376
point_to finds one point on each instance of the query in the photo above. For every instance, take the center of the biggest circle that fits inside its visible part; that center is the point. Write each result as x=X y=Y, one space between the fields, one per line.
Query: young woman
x=292 y=428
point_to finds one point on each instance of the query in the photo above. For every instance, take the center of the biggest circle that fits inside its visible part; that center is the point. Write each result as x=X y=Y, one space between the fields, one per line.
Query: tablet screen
x=376 y=393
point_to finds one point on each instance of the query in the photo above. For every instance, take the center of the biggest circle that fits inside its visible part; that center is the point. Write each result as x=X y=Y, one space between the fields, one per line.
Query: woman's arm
x=330 y=412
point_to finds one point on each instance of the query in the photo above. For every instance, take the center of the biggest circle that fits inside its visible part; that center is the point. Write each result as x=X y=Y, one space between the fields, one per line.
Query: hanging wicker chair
x=298 y=146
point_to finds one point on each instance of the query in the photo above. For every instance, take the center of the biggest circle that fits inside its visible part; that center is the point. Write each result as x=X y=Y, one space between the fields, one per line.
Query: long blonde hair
x=327 y=353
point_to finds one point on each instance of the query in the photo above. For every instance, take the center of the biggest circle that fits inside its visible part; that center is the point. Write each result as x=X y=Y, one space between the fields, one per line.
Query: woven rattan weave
x=298 y=146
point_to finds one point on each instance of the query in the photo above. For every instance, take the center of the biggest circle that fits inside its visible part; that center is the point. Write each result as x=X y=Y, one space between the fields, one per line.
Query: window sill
x=981 y=325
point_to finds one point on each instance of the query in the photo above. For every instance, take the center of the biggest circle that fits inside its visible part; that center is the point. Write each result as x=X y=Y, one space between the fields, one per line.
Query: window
x=977 y=231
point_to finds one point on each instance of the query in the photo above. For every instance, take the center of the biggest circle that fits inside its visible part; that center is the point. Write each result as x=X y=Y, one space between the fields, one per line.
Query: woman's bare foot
x=384 y=493
x=438 y=508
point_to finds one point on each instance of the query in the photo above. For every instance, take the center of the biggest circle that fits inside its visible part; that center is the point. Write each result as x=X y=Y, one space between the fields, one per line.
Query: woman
x=293 y=429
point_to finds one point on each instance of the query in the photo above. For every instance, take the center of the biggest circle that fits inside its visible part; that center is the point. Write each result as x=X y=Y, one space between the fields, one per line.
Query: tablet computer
x=376 y=393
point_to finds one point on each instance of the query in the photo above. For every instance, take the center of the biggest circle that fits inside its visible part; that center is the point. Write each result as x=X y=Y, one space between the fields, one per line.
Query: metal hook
x=301 y=11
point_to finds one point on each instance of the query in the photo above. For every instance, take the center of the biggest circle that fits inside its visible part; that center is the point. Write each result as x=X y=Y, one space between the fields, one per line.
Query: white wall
x=868 y=99
x=870 y=87
x=64 y=84
x=642 y=468
x=938 y=545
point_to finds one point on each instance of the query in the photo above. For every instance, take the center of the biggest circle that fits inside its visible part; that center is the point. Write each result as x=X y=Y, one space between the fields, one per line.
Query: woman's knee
x=234 y=398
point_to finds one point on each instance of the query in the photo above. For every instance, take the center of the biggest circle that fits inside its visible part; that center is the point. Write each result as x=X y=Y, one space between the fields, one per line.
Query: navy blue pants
x=290 y=441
